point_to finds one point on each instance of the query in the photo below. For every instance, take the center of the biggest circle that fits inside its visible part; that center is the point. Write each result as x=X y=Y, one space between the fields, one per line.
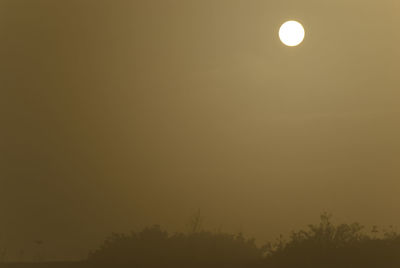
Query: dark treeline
x=153 y=245
x=320 y=245
x=329 y=245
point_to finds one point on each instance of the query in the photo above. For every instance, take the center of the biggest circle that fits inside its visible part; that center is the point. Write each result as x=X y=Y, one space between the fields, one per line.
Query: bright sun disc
x=291 y=33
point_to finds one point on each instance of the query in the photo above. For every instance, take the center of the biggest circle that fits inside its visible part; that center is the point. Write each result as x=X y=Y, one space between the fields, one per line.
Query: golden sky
x=120 y=114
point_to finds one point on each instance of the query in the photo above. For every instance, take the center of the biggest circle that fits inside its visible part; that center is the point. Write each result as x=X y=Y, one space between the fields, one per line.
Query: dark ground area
x=323 y=245
x=44 y=265
x=91 y=265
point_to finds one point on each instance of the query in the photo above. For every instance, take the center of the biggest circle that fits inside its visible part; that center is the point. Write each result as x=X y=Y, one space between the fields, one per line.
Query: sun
x=292 y=33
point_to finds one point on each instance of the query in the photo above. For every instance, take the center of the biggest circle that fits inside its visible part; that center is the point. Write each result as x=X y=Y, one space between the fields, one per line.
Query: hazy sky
x=120 y=114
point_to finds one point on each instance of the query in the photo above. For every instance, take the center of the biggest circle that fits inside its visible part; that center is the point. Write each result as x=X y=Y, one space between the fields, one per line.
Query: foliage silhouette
x=153 y=245
x=329 y=245
x=322 y=245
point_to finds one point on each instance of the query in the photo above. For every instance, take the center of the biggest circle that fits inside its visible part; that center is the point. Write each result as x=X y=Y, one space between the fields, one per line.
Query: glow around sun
x=292 y=33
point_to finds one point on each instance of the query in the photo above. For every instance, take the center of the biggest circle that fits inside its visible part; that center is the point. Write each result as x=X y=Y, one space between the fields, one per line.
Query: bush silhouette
x=320 y=245
x=153 y=245
x=329 y=245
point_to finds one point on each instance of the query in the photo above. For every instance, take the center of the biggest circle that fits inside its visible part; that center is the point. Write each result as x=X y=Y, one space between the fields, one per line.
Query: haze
x=121 y=114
